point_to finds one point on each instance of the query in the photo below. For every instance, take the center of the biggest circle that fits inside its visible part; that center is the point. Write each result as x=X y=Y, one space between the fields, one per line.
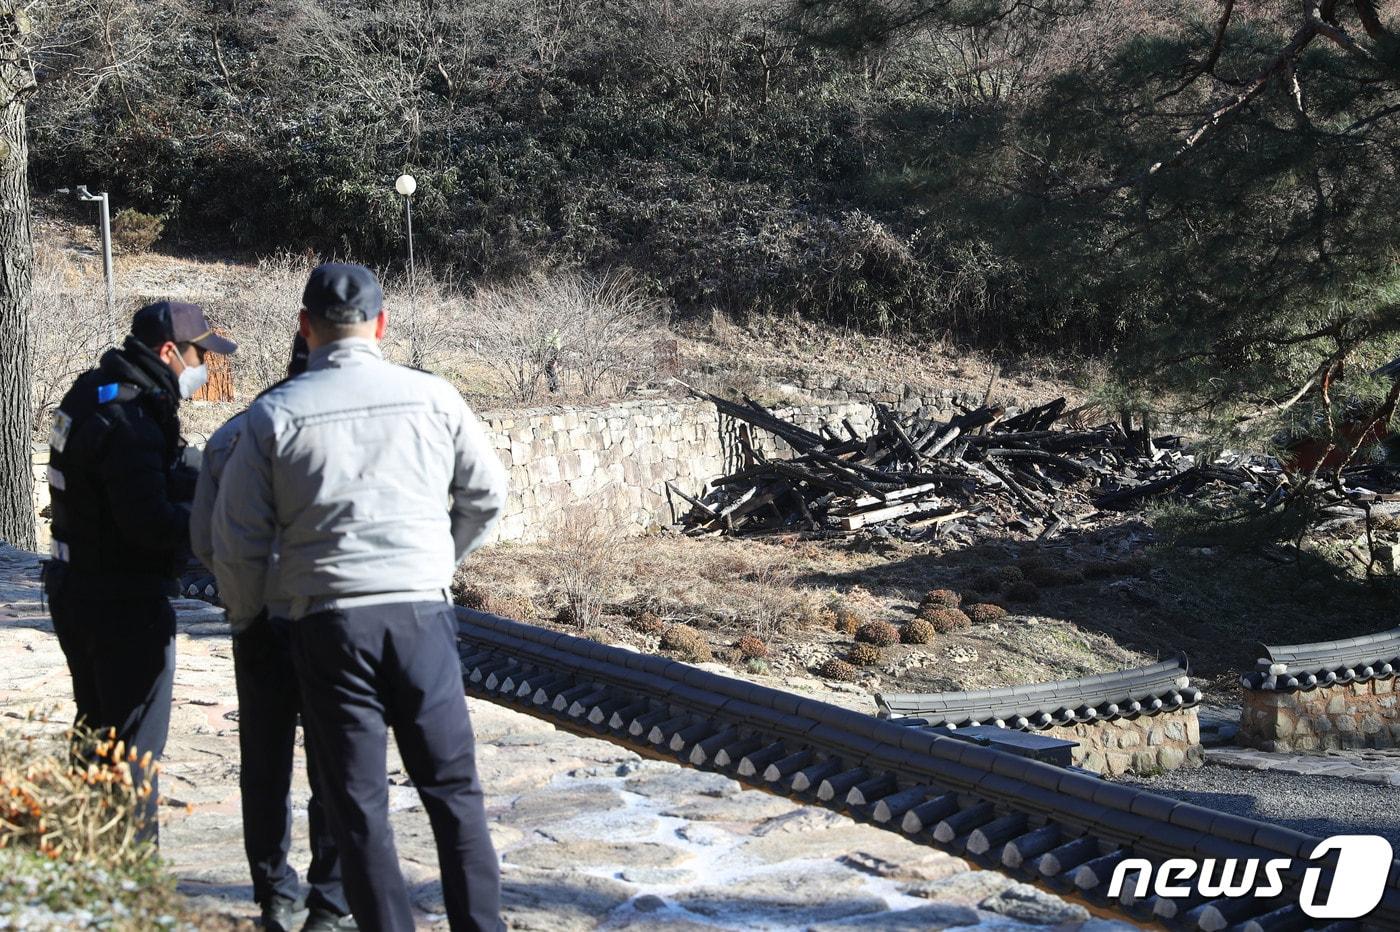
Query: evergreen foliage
x=1202 y=190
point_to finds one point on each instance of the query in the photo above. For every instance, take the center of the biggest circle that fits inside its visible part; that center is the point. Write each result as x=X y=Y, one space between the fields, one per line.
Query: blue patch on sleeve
x=106 y=393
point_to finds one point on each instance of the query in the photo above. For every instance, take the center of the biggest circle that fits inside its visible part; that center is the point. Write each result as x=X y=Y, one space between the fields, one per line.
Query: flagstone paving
x=590 y=835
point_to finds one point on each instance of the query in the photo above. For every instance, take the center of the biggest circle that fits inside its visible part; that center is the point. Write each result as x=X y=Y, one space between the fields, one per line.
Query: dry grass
x=767 y=350
x=735 y=586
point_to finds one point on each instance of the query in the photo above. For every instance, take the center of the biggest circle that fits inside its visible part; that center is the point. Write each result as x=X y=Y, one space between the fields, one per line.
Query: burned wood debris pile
x=1031 y=472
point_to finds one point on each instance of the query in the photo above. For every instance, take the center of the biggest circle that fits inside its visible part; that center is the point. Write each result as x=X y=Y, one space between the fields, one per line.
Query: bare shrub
x=425 y=315
x=582 y=552
x=773 y=603
x=261 y=317
x=70 y=329
x=566 y=332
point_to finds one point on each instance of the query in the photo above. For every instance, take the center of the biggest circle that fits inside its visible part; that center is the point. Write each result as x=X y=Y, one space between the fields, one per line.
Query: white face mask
x=192 y=378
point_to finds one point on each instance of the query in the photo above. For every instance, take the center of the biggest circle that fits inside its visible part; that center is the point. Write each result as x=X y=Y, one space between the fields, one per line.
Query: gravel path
x=1313 y=804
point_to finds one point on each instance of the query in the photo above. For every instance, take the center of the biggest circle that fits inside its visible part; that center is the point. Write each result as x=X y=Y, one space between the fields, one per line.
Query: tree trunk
x=16 y=258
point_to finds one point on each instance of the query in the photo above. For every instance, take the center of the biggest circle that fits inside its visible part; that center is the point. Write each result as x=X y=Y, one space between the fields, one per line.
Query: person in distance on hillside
x=120 y=488
x=373 y=481
x=268 y=706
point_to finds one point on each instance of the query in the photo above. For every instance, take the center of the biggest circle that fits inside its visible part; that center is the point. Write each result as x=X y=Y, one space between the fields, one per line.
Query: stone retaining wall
x=1145 y=745
x=1357 y=715
x=611 y=463
x=608 y=464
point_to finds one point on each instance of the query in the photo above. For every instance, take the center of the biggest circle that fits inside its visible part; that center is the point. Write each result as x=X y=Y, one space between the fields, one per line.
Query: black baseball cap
x=178 y=322
x=343 y=293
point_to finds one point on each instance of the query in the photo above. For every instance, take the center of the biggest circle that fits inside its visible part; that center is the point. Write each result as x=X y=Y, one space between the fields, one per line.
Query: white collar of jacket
x=348 y=352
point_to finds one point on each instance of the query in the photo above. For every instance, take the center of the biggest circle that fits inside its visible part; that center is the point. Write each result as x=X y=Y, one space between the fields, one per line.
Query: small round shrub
x=751 y=647
x=648 y=623
x=686 y=643
x=984 y=612
x=862 y=655
x=756 y=666
x=839 y=670
x=848 y=620
x=133 y=231
x=879 y=633
x=943 y=598
x=916 y=631
x=1023 y=592
x=473 y=597
x=946 y=620
x=1010 y=575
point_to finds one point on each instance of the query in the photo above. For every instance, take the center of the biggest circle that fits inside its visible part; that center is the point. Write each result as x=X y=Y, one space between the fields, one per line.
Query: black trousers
x=268 y=705
x=121 y=655
x=365 y=671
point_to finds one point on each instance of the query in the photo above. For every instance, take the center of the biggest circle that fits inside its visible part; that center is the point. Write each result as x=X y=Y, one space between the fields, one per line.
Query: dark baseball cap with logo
x=343 y=293
x=178 y=322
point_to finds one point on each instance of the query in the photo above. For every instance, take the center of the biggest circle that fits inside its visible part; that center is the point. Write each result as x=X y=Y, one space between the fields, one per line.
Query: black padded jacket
x=119 y=490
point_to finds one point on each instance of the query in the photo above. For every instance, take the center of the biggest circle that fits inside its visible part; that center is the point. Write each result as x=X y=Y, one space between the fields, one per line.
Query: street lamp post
x=406 y=185
x=104 y=216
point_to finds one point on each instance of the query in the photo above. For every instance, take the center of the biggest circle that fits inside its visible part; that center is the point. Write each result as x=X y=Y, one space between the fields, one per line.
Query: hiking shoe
x=323 y=920
x=283 y=914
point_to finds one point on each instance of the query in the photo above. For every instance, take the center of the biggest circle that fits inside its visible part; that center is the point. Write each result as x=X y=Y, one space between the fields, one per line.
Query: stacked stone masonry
x=1145 y=745
x=1354 y=715
x=607 y=464
x=611 y=463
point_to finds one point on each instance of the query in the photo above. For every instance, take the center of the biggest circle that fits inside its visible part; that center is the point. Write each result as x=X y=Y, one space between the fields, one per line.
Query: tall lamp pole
x=406 y=185
x=104 y=217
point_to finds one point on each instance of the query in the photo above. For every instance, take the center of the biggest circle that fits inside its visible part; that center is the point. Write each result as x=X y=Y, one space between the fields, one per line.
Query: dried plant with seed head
x=74 y=794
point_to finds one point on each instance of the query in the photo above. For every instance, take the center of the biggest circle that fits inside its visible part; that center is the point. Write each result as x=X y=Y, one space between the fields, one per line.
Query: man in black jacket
x=120 y=493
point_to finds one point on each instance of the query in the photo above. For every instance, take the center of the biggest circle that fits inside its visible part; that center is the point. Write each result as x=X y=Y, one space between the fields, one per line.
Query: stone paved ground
x=1380 y=766
x=591 y=836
